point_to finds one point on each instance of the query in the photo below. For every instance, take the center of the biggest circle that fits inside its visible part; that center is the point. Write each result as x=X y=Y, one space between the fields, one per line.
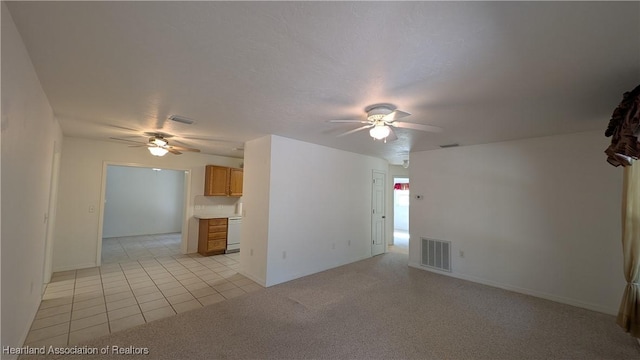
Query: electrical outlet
x=92 y=209
x=461 y=253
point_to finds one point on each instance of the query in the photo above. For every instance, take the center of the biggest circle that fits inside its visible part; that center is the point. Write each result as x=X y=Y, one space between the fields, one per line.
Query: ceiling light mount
x=377 y=112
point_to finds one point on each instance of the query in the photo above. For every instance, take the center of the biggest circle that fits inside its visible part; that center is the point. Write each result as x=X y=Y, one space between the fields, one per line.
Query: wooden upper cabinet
x=235 y=182
x=222 y=181
x=216 y=181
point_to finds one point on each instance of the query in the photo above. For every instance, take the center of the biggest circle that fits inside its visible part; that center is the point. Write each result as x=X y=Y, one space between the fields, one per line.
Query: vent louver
x=181 y=119
x=436 y=254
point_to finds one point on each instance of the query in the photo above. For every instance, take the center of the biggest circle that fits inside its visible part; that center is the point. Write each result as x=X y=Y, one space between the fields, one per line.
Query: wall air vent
x=181 y=119
x=436 y=254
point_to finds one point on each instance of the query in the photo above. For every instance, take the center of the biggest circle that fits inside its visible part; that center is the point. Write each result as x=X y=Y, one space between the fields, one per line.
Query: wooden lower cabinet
x=212 y=236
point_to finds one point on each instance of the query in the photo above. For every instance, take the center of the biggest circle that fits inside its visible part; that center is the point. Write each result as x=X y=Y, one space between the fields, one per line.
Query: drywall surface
x=538 y=216
x=255 y=221
x=30 y=134
x=82 y=171
x=319 y=208
x=141 y=201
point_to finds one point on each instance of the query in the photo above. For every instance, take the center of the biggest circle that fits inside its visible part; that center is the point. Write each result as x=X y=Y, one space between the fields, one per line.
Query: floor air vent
x=436 y=254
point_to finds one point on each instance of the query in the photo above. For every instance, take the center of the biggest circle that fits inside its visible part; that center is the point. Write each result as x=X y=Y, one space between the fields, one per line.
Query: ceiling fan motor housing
x=377 y=112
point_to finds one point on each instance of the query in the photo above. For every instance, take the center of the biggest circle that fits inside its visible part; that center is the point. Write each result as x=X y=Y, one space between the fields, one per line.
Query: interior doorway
x=400 y=215
x=143 y=213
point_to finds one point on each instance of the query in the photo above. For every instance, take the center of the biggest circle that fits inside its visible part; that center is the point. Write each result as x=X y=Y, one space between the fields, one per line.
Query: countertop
x=216 y=216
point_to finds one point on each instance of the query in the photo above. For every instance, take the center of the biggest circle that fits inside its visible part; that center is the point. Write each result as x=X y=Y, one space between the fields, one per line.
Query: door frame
x=47 y=269
x=185 y=205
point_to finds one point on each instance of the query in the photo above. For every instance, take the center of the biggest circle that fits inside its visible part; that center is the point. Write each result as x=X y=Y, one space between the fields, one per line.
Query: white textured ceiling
x=484 y=72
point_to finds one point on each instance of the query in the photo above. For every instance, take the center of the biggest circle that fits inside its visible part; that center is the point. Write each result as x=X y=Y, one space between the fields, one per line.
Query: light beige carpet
x=381 y=309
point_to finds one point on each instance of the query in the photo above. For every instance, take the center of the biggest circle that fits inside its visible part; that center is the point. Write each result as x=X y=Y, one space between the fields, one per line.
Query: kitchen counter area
x=216 y=216
x=218 y=233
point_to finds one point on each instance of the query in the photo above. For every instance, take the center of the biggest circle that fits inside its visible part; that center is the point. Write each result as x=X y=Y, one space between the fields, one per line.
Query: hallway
x=400 y=242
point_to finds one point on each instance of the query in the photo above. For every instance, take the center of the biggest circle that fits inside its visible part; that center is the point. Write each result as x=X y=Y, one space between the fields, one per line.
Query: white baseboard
x=293 y=276
x=539 y=294
x=74 y=267
x=261 y=282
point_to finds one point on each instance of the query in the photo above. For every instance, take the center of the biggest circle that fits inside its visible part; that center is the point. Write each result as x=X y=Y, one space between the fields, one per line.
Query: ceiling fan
x=381 y=118
x=158 y=144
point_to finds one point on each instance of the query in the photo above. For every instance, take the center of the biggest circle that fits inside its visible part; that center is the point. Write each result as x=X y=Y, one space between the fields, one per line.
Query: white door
x=377 y=213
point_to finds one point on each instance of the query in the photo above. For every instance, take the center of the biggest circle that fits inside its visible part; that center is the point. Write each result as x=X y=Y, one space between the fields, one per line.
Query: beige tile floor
x=79 y=305
x=127 y=248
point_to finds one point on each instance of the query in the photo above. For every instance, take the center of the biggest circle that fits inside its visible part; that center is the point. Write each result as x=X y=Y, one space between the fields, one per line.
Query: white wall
x=29 y=134
x=141 y=201
x=255 y=222
x=319 y=206
x=217 y=205
x=538 y=216
x=81 y=176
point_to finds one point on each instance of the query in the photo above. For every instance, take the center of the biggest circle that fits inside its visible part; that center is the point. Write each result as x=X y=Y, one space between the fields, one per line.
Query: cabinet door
x=235 y=182
x=215 y=180
x=217 y=245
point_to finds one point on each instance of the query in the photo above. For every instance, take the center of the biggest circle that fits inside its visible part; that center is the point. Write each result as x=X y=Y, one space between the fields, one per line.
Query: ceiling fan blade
x=356 y=130
x=180 y=148
x=127 y=140
x=421 y=127
x=350 y=121
x=396 y=114
x=173 y=151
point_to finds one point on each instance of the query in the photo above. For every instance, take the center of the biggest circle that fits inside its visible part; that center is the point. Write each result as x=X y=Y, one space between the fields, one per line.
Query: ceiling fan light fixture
x=158 y=151
x=379 y=132
x=159 y=142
